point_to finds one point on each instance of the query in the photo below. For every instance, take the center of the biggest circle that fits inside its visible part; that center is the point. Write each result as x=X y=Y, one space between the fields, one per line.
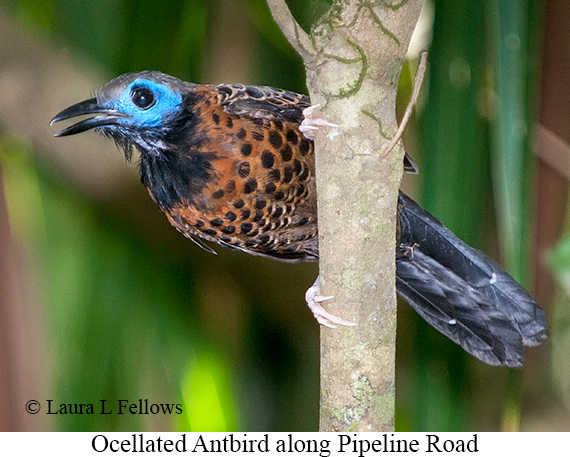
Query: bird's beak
x=86 y=107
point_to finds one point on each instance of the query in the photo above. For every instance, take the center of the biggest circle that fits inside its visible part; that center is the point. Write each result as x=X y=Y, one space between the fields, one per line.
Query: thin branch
x=418 y=80
x=290 y=28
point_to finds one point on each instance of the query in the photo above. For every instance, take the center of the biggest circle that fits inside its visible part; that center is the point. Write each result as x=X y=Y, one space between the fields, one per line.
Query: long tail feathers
x=462 y=292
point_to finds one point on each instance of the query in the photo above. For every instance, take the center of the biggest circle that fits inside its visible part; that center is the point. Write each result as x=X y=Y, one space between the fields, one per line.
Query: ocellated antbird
x=230 y=164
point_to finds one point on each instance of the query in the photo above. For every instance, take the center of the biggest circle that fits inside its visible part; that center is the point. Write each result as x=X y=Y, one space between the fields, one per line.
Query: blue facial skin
x=165 y=105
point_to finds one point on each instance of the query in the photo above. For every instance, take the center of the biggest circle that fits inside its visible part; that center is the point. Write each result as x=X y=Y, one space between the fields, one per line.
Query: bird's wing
x=262 y=102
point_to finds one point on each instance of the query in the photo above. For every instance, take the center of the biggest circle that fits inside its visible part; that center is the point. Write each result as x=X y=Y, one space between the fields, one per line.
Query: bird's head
x=133 y=109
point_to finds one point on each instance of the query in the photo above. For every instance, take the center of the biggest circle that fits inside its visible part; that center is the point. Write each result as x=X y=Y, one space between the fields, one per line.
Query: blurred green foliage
x=132 y=317
x=559 y=261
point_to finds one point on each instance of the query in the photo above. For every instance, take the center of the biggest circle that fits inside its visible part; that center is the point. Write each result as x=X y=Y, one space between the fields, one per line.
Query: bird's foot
x=323 y=317
x=309 y=123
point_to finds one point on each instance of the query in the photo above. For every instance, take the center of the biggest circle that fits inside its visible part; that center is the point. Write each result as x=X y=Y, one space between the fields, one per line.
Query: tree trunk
x=353 y=58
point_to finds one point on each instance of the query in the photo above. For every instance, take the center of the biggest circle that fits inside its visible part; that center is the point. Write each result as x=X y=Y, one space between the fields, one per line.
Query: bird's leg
x=309 y=123
x=314 y=300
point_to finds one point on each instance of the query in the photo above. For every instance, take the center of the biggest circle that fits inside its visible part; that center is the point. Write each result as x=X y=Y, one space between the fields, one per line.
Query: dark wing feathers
x=262 y=102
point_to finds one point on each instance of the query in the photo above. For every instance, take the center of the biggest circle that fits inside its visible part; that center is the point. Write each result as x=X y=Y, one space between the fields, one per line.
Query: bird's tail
x=462 y=292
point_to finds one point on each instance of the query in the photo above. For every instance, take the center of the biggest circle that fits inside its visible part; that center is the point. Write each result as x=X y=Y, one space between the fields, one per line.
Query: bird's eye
x=142 y=97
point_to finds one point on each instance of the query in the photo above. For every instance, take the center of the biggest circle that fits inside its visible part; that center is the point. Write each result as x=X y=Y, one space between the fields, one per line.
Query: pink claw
x=309 y=123
x=314 y=299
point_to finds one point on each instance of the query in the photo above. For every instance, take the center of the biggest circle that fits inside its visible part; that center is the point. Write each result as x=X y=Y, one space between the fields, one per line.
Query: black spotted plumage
x=229 y=164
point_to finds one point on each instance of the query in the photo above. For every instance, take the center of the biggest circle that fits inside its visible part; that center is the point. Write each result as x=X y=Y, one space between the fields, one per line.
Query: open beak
x=86 y=107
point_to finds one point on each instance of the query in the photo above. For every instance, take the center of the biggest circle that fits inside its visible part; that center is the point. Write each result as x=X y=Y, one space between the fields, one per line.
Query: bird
x=234 y=165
